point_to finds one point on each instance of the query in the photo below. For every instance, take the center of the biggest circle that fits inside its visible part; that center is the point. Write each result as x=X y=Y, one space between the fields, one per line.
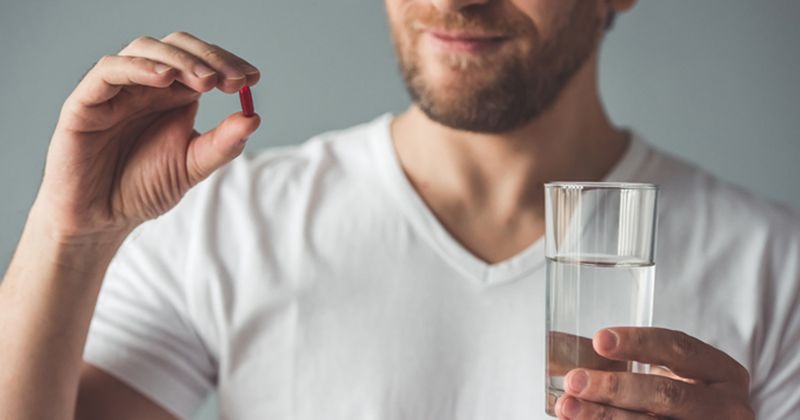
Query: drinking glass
x=599 y=240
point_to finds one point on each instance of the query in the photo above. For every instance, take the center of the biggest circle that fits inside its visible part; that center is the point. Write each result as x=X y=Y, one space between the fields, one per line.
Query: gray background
x=713 y=81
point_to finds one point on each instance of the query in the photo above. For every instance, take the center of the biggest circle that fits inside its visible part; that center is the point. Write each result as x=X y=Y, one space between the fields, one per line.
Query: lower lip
x=464 y=45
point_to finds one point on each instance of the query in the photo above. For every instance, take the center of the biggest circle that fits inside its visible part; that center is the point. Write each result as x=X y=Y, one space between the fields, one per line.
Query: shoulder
x=694 y=200
x=714 y=235
x=723 y=253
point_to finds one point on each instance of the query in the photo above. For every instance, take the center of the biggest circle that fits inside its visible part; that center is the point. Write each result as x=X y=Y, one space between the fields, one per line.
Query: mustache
x=480 y=19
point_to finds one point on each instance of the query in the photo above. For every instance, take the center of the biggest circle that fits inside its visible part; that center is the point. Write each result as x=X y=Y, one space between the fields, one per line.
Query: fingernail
x=570 y=407
x=577 y=381
x=250 y=70
x=203 y=71
x=607 y=340
x=162 y=68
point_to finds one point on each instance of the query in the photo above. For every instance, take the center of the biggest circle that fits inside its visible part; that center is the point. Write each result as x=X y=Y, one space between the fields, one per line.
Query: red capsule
x=246 y=98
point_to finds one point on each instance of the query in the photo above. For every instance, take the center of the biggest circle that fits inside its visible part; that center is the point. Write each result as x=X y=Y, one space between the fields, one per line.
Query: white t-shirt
x=312 y=282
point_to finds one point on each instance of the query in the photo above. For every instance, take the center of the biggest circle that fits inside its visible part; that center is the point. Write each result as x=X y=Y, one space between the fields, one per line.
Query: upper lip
x=466 y=36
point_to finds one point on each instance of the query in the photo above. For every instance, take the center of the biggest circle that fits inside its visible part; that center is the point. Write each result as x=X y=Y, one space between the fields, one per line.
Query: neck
x=487 y=189
x=503 y=174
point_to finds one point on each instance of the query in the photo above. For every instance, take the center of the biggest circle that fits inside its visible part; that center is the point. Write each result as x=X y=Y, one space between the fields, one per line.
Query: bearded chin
x=485 y=106
x=515 y=94
x=502 y=93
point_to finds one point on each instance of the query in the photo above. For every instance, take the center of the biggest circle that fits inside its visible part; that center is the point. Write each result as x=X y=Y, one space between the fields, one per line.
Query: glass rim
x=578 y=185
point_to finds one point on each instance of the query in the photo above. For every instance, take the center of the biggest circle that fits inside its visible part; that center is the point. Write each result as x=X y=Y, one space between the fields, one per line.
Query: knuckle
x=69 y=106
x=138 y=61
x=683 y=346
x=105 y=60
x=669 y=394
x=177 y=35
x=604 y=413
x=181 y=56
x=611 y=386
x=141 y=41
x=213 y=54
x=194 y=169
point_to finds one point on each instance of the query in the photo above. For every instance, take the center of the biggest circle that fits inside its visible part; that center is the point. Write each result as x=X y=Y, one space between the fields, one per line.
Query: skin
x=124 y=151
x=702 y=382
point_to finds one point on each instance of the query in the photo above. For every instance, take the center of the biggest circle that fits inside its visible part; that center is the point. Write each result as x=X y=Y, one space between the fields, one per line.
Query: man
x=390 y=271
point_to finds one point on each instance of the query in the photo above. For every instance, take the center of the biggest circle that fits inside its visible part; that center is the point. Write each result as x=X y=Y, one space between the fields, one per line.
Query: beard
x=505 y=88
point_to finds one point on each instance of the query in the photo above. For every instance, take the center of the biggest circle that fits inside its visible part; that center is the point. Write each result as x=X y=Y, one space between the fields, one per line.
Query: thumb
x=209 y=151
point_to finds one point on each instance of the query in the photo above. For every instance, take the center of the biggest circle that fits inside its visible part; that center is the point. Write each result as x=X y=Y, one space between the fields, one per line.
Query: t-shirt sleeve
x=141 y=332
x=775 y=387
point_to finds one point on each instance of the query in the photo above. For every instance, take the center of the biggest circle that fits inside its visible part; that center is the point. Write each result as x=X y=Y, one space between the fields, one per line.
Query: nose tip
x=456 y=5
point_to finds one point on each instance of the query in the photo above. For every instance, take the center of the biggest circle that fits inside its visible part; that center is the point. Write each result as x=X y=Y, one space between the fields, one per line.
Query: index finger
x=683 y=354
x=112 y=73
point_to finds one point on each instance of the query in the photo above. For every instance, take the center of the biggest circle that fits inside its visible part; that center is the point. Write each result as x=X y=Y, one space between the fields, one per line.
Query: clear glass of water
x=600 y=244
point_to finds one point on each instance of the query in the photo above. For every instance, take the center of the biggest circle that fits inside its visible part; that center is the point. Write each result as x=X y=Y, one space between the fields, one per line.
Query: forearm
x=47 y=299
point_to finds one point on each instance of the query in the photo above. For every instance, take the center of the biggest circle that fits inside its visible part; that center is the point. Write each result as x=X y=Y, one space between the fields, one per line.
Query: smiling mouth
x=464 y=41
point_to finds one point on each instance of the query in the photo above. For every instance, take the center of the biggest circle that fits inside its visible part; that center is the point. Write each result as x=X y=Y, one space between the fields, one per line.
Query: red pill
x=246 y=98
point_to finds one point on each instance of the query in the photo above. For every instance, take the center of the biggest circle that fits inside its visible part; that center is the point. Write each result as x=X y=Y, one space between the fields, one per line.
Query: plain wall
x=713 y=81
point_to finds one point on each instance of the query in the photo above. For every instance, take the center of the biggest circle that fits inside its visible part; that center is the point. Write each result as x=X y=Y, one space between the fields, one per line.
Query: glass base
x=555 y=389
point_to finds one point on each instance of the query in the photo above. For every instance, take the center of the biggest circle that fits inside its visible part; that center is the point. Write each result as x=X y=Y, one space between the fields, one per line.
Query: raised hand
x=125 y=149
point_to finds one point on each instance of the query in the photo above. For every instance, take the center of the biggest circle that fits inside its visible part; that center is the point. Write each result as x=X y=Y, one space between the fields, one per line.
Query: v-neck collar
x=428 y=225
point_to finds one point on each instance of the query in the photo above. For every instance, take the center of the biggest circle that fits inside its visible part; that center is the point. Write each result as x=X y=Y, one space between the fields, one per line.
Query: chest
x=402 y=341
